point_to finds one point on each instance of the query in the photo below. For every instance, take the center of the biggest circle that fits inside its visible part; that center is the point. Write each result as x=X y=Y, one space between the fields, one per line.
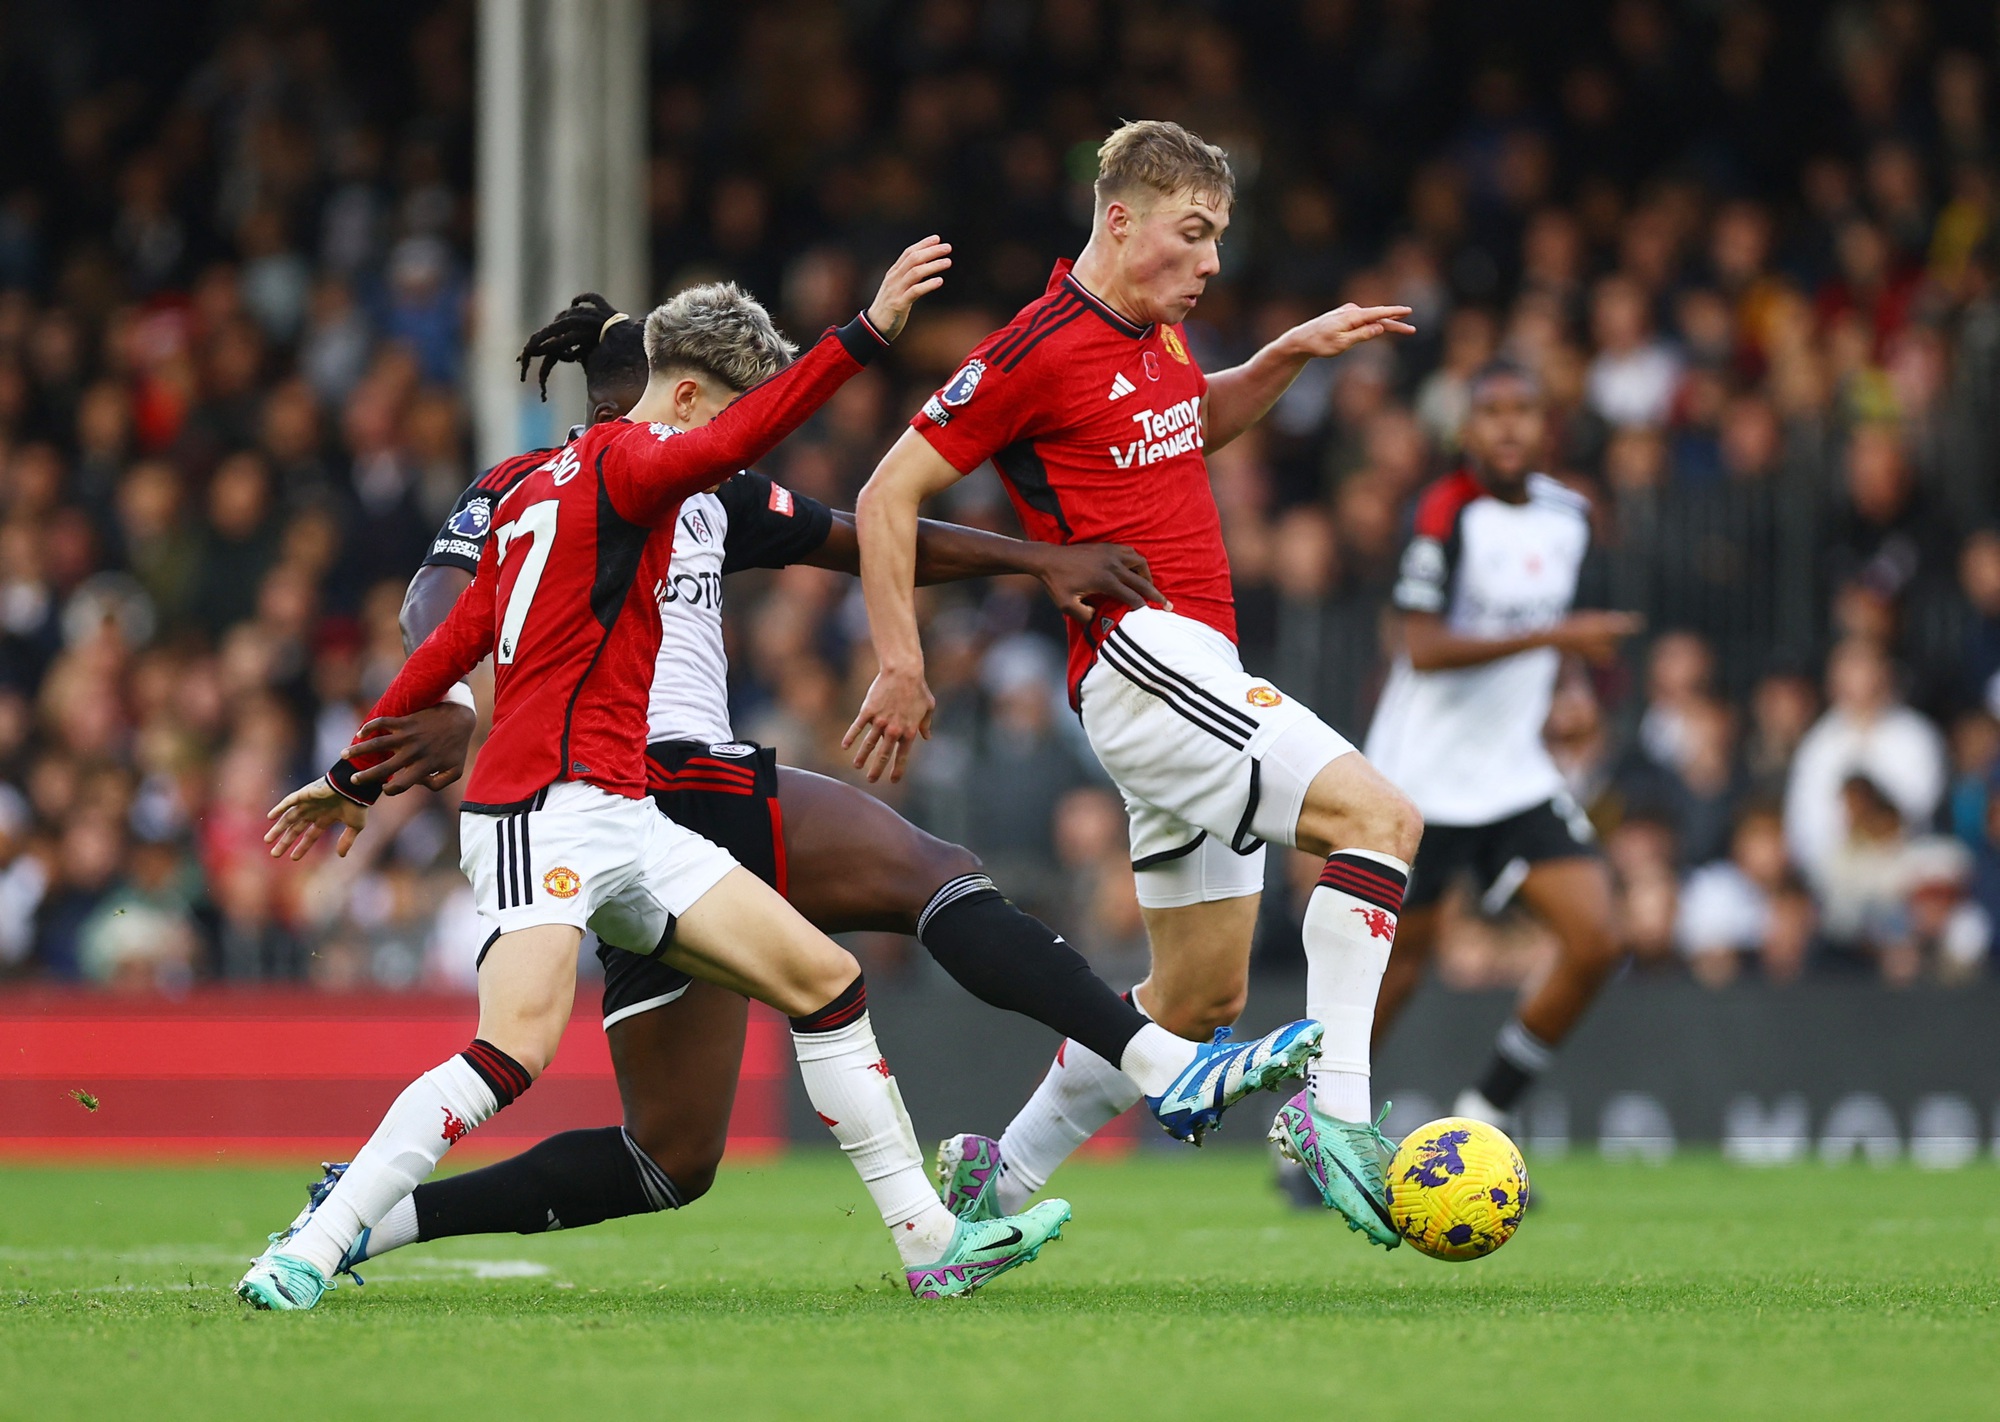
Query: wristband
x=460 y=695
x=861 y=339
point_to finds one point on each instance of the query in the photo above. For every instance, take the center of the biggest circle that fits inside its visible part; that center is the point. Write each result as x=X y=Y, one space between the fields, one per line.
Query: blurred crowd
x=1751 y=252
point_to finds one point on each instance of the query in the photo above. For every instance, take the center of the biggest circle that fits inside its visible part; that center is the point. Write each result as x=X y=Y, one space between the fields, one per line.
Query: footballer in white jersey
x=1485 y=597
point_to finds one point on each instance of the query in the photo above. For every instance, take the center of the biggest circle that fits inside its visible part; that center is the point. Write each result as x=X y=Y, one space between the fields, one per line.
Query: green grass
x=1185 y=1288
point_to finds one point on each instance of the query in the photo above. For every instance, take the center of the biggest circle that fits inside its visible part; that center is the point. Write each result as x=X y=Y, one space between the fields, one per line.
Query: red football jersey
x=1095 y=426
x=564 y=595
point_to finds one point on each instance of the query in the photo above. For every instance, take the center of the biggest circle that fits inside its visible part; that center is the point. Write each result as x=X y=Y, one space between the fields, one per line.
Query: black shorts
x=728 y=794
x=1497 y=856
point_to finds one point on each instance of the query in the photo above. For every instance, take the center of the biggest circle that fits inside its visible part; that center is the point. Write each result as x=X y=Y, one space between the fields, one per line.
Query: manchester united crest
x=1263 y=696
x=1172 y=341
x=562 y=883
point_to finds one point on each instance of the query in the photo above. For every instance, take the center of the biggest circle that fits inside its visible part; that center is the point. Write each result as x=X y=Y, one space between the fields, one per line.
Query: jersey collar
x=1062 y=277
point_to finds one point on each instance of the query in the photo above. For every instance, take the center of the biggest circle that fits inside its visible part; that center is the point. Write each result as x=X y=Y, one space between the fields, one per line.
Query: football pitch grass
x=1185 y=1287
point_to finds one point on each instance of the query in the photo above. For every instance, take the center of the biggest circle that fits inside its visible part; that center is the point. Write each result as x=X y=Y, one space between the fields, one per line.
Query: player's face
x=1504 y=430
x=1171 y=251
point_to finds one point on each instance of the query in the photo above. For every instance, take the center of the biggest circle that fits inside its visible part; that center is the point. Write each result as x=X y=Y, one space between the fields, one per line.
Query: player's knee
x=1386 y=821
x=1593 y=948
x=690 y=1158
x=828 y=974
x=933 y=866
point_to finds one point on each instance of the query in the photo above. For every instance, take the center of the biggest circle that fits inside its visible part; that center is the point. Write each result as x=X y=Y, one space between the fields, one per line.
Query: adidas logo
x=1120 y=386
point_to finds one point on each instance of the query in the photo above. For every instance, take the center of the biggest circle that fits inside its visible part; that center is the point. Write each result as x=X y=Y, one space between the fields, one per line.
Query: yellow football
x=1457 y=1188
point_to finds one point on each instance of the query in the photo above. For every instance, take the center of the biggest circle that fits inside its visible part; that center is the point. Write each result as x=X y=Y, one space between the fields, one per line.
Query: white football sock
x=434 y=1112
x=1082 y=1094
x=1350 y=925
x=848 y=1081
x=1154 y=1057
x=393 y=1230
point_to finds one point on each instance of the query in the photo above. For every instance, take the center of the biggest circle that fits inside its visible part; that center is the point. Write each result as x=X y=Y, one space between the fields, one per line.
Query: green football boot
x=983 y=1250
x=279 y=1282
x=1346 y=1160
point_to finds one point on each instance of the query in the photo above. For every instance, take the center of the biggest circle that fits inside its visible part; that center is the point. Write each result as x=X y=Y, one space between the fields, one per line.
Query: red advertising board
x=276 y=1074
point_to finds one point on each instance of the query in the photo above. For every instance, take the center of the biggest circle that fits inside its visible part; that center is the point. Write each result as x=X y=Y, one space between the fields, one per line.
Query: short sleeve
x=458 y=543
x=770 y=526
x=986 y=406
x=1423 y=581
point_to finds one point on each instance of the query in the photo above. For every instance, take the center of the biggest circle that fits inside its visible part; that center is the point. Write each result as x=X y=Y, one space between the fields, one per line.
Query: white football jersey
x=749 y=522
x=1466 y=744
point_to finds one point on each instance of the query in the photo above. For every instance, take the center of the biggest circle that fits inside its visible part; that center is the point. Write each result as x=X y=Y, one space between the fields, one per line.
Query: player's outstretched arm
x=1071 y=574
x=650 y=477
x=898 y=706
x=1432 y=645
x=1243 y=394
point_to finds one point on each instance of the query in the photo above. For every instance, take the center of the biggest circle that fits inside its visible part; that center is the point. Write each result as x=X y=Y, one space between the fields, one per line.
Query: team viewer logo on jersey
x=1162 y=434
x=1173 y=344
x=561 y=883
x=1264 y=696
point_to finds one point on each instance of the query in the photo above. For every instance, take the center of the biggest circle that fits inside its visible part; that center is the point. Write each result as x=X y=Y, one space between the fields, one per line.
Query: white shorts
x=585 y=857
x=1211 y=761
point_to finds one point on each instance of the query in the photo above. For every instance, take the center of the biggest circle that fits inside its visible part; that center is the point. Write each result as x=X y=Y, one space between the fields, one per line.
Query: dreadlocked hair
x=584 y=334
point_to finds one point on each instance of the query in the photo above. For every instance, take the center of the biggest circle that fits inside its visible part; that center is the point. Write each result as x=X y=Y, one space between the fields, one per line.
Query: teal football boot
x=982 y=1250
x=1345 y=1160
x=278 y=1282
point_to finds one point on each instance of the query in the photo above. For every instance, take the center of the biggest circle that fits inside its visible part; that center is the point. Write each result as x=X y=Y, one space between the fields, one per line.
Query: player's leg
x=526 y=984
x=1573 y=896
x=676 y=1063
x=1369 y=832
x=741 y=934
x=855 y=863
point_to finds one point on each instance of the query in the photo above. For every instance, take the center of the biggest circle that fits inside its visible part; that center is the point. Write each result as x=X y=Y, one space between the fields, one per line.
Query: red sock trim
x=504 y=1077
x=843 y=1011
x=1368 y=880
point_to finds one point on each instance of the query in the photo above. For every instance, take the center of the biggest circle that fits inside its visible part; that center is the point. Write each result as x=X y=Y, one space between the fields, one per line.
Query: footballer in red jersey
x=844 y=859
x=1092 y=408
x=557 y=833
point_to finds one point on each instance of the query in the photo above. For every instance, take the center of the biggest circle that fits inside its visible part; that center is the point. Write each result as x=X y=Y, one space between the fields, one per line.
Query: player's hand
x=895 y=712
x=1346 y=327
x=1595 y=636
x=305 y=814
x=917 y=273
x=1077 y=572
x=425 y=748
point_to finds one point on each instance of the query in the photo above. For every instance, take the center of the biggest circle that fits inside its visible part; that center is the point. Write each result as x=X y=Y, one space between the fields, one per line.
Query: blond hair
x=719 y=330
x=1154 y=155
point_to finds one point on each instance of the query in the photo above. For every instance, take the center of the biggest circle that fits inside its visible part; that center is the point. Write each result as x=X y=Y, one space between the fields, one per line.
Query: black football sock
x=1014 y=961
x=1519 y=1056
x=567 y=1181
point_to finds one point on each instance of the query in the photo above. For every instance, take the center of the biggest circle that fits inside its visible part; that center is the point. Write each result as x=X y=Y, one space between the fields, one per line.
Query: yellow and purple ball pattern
x=1457 y=1188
